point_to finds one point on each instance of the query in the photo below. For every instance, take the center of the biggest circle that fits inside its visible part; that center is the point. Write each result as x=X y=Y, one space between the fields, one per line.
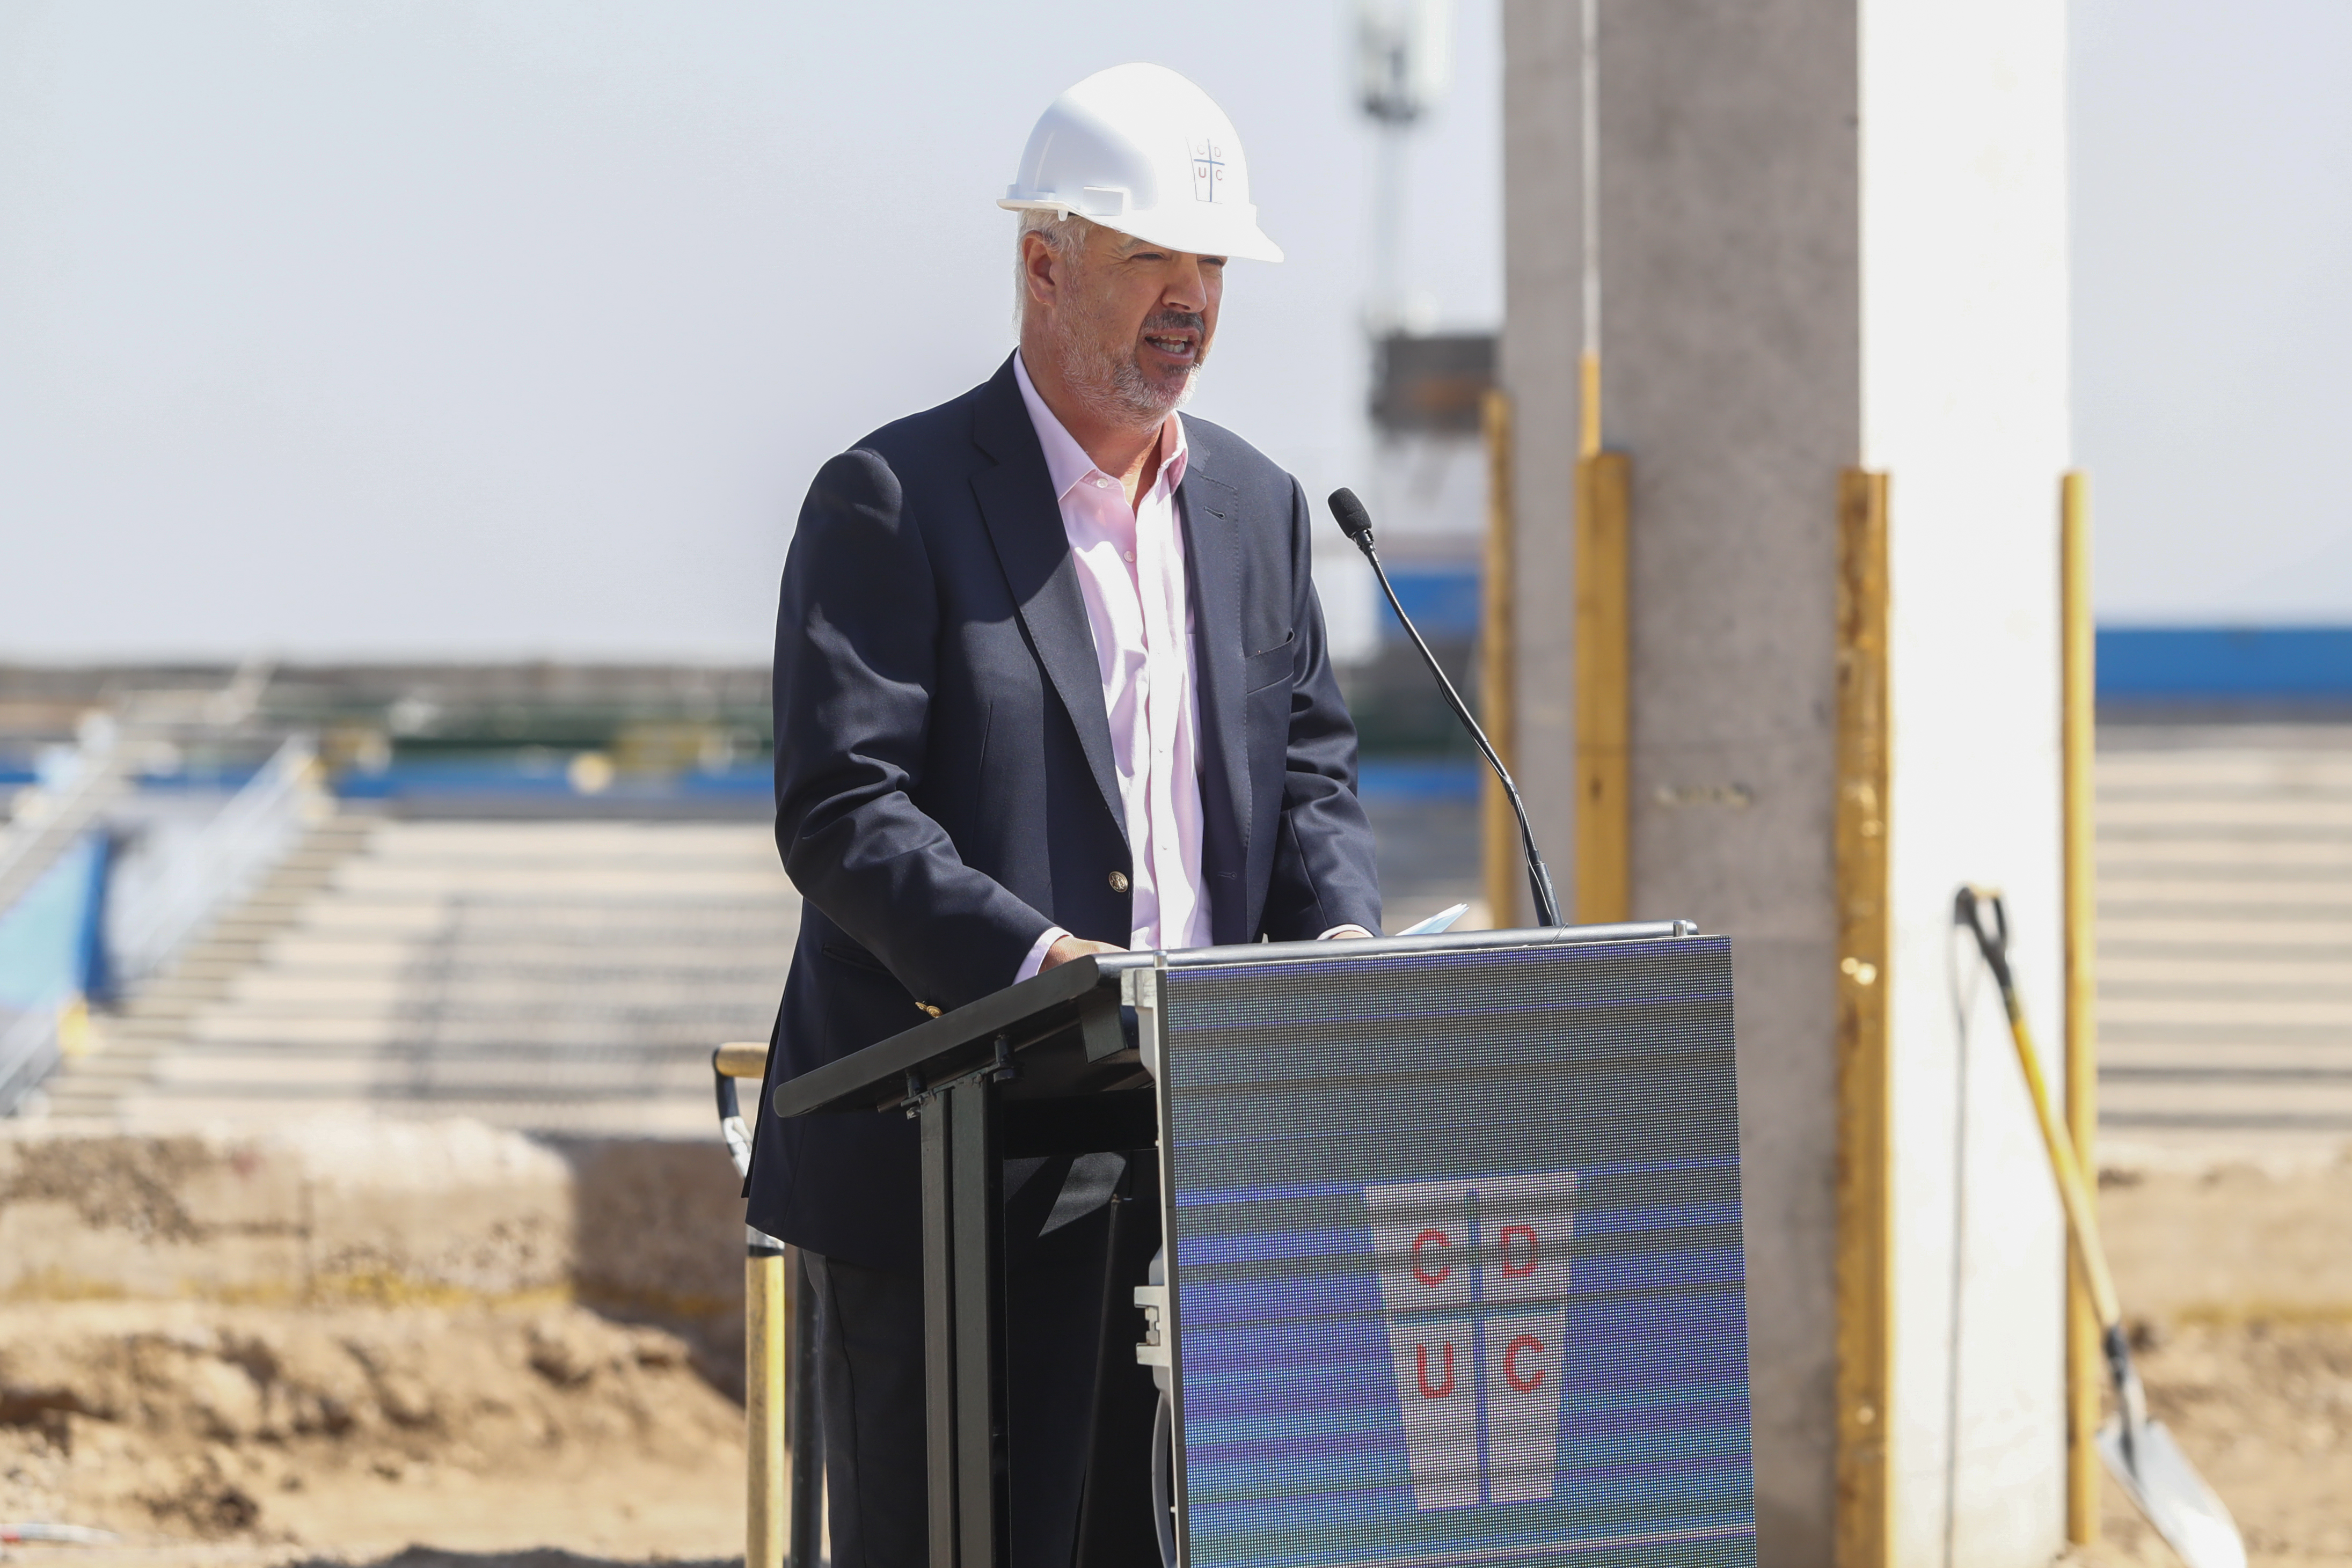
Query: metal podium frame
x=1053 y=1065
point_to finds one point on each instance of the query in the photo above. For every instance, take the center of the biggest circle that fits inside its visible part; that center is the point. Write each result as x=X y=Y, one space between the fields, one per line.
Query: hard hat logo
x=1120 y=147
x=1208 y=170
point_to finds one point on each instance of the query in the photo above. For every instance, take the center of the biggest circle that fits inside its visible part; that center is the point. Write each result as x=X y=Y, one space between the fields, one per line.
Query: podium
x=1454 y=1268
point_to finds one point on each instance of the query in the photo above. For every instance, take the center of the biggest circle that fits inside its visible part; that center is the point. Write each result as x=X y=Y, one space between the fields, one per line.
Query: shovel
x=2140 y=1454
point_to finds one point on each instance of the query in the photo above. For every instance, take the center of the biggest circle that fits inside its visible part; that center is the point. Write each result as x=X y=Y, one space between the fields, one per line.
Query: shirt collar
x=1066 y=463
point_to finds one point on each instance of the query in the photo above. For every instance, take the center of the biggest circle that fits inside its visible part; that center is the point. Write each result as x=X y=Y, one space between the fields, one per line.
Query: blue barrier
x=1444 y=601
x=1420 y=778
x=50 y=946
x=539 y=774
x=2291 y=664
x=2294 y=663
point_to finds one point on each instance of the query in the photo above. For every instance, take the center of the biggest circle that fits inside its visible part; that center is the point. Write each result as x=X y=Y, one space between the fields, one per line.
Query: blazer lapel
x=1212 y=559
x=1024 y=523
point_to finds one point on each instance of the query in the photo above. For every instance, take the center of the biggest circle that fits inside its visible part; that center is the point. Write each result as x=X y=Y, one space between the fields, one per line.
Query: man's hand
x=1070 y=947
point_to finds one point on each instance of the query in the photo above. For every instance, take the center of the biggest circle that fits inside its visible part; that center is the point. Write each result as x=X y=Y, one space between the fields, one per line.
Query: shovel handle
x=2074 y=1187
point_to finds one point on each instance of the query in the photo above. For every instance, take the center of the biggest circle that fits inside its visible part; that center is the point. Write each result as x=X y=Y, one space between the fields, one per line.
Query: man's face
x=1131 y=322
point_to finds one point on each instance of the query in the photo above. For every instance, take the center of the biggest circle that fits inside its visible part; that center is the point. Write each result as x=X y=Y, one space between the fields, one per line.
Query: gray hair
x=1065 y=237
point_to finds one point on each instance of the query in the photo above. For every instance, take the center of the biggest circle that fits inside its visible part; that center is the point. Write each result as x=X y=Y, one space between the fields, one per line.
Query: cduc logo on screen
x=1475 y=1277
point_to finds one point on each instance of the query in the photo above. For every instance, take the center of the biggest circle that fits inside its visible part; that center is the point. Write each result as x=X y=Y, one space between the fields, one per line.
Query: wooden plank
x=743 y=1058
x=2085 y=1367
x=763 y=1406
x=1505 y=863
x=1604 y=689
x=1864 y=1522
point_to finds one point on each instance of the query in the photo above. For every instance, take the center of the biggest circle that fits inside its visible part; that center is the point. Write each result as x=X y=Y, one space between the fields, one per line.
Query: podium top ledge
x=1054 y=1002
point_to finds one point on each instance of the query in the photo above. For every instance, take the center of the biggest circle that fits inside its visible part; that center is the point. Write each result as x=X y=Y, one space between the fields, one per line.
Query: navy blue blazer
x=944 y=786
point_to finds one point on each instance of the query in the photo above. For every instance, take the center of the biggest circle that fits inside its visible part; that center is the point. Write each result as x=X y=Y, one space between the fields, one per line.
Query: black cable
x=1963 y=1010
x=1163 y=1479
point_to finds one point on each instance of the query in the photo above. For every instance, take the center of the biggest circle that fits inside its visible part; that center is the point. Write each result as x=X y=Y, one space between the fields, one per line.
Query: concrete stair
x=574 y=975
x=2225 y=932
x=558 y=975
x=132 y=1040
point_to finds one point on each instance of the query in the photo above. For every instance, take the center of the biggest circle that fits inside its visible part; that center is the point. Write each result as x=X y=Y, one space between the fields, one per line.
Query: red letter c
x=1422 y=1241
x=1511 y=1359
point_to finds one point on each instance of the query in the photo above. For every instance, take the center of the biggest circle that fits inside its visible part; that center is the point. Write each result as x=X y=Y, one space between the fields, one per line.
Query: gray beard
x=1110 y=384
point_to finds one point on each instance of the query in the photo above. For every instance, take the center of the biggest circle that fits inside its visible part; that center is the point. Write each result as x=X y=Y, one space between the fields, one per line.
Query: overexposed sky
x=517 y=327
x=2212 y=204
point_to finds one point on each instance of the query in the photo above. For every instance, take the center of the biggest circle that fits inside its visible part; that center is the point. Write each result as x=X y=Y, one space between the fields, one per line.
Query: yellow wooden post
x=1505 y=866
x=1604 y=885
x=1864 y=1533
x=764 y=1403
x=2086 y=1366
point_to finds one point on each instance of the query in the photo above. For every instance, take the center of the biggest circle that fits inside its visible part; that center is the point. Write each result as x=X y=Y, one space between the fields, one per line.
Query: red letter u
x=1420 y=1369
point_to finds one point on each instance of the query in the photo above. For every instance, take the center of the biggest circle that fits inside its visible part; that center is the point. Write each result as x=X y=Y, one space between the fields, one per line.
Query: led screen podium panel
x=1455 y=1249
x=1452 y=1232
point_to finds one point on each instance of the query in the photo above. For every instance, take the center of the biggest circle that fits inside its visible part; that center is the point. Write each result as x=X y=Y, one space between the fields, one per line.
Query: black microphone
x=1357 y=524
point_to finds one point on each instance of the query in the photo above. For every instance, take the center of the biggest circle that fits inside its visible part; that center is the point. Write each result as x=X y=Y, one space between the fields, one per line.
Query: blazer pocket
x=858 y=959
x=1262 y=670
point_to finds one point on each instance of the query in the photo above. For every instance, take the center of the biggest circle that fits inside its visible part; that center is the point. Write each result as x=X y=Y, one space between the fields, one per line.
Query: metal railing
x=50 y=824
x=225 y=860
x=55 y=816
x=29 y=1051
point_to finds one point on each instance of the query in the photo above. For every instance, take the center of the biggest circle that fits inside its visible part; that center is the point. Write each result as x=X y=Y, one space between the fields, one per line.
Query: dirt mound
x=364 y=1429
x=254 y=1437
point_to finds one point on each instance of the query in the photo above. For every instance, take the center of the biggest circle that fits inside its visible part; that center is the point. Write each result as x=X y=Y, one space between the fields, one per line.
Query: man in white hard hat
x=1050 y=680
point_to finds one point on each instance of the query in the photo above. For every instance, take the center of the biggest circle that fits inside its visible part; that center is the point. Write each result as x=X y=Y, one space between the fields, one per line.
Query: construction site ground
x=532 y=1437
x=263 y=1435
x=381 y=978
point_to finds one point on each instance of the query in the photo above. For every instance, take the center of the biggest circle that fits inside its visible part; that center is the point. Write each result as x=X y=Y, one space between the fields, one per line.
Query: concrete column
x=1830 y=233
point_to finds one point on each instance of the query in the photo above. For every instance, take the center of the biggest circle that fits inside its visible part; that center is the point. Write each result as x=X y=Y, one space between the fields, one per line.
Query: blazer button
x=1119 y=882
x=926 y=1008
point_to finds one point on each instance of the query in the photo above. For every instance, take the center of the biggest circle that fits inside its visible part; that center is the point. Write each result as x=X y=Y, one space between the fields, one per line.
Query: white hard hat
x=1140 y=149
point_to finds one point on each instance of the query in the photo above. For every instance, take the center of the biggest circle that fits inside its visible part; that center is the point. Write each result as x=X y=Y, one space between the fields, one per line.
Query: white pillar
x=1832 y=233
x=1964 y=380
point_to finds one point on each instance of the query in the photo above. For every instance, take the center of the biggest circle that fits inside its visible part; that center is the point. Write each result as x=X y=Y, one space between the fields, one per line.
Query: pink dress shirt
x=1131 y=576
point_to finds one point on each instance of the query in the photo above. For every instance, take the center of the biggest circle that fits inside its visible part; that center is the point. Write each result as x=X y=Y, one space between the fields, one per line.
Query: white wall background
x=517 y=327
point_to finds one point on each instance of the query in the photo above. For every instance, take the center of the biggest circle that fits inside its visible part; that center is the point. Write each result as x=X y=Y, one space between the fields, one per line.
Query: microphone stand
x=1357 y=524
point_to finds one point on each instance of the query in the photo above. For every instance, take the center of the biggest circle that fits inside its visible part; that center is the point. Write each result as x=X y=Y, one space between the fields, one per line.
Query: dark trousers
x=870 y=1327
x=1078 y=1408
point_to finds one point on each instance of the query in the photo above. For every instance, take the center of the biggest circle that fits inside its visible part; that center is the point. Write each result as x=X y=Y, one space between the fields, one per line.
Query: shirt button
x=1130 y=555
x=1119 y=882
